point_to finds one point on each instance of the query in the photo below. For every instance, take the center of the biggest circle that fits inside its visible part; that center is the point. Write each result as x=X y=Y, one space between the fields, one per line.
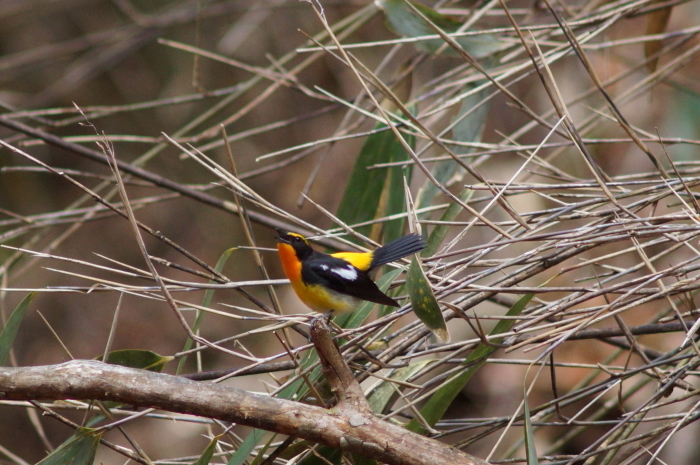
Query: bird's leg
x=326 y=317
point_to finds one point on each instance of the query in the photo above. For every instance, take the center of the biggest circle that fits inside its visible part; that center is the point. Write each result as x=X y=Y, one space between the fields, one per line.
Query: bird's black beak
x=283 y=236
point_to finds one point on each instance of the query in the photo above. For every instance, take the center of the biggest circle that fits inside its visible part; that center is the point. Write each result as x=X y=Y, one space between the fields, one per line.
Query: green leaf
x=295 y=391
x=208 y=295
x=330 y=454
x=437 y=235
x=385 y=395
x=363 y=195
x=364 y=190
x=247 y=446
x=529 y=434
x=402 y=20
x=395 y=192
x=362 y=460
x=136 y=358
x=425 y=306
x=9 y=332
x=296 y=448
x=468 y=125
x=80 y=449
x=261 y=453
x=440 y=401
x=208 y=453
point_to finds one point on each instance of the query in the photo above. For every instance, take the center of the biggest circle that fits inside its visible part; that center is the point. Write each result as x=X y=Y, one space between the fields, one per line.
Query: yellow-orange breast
x=316 y=297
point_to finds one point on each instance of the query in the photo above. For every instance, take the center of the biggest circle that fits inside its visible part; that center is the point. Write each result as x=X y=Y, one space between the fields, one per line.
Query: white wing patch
x=349 y=273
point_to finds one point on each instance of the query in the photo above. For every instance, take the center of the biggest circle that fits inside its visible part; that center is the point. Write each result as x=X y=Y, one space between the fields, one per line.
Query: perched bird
x=339 y=282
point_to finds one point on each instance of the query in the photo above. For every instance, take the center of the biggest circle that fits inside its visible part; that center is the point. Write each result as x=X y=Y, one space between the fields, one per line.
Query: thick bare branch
x=351 y=431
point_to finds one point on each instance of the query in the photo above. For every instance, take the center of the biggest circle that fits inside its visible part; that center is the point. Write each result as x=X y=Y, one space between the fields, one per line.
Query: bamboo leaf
x=246 y=447
x=402 y=20
x=136 y=358
x=295 y=391
x=261 y=453
x=467 y=126
x=440 y=401
x=296 y=448
x=437 y=235
x=80 y=449
x=396 y=196
x=363 y=193
x=468 y=123
x=361 y=460
x=9 y=332
x=329 y=454
x=424 y=303
x=208 y=295
x=362 y=200
x=208 y=453
x=385 y=395
x=529 y=434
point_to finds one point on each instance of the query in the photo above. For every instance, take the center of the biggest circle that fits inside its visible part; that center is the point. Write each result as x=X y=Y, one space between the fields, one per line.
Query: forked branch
x=352 y=431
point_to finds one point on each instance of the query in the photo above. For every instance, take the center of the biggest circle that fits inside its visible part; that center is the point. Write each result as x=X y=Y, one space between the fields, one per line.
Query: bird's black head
x=301 y=246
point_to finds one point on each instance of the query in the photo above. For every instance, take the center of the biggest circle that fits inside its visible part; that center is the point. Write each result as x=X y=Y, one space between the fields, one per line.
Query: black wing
x=340 y=276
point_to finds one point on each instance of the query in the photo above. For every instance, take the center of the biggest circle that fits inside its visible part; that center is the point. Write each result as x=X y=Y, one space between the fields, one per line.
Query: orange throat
x=290 y=262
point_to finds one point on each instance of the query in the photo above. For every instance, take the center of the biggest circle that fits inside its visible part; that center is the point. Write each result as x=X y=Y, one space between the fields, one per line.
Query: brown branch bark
x=347 y=429
x=347 y=390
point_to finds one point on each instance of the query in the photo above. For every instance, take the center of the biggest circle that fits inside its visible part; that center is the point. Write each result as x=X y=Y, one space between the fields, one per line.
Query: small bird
x=339 y=282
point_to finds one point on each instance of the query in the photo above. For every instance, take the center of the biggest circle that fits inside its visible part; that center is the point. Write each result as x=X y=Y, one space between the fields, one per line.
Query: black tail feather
x=397 y=249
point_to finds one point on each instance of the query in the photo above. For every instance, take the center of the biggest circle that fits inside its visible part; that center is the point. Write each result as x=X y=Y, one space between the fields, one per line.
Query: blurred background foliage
x=125 y=63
